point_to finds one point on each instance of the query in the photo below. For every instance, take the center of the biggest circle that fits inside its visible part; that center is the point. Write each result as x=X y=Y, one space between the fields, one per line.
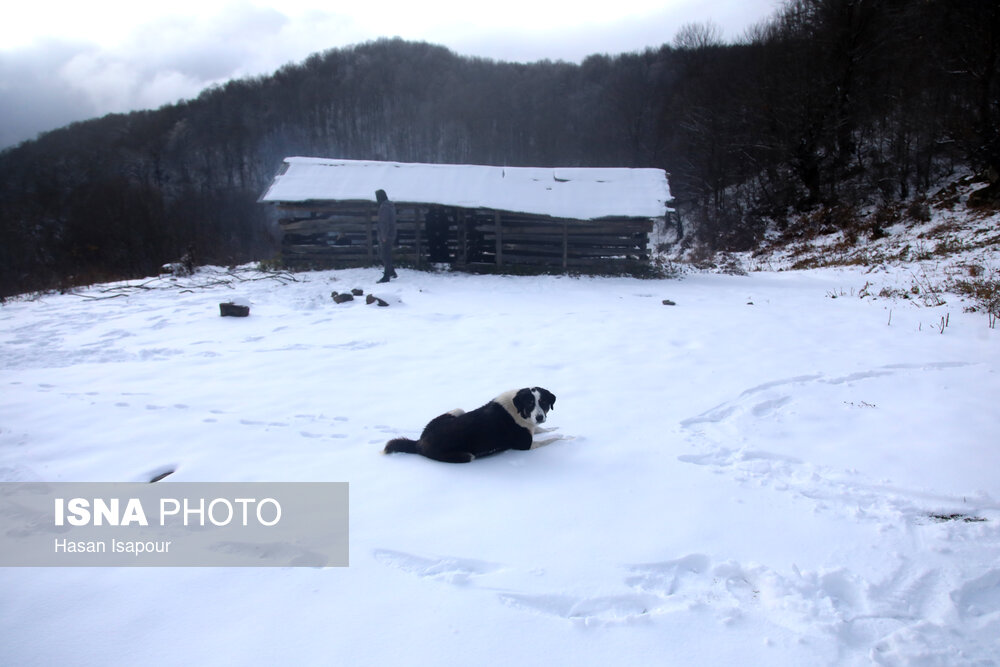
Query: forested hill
x=832 y=104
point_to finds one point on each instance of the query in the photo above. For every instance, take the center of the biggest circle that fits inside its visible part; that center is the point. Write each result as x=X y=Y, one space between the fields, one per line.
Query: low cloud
x=32 y=96
x=54 y=83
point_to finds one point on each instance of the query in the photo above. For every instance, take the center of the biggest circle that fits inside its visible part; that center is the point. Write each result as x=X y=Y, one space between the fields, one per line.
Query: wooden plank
x=524 y=260
x=572 y=230
x=331 y=256
x=414 y=218
x=368 y=234
x=334 y=235
x=553 y=239
x=610 y=266
x=596 y=254
x=617 y=267
x=419 y=217
x=359 y=207
x=499 y=238
x=319 y=220
x=565 y=243
x=462 y=253
x=628 y=224
x=510 y=252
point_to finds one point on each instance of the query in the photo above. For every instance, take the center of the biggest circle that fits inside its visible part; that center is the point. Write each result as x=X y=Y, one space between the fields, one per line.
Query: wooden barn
x=474 y=218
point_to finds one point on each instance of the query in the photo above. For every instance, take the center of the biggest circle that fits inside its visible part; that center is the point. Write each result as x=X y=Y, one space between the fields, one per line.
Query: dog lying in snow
x=509 y=421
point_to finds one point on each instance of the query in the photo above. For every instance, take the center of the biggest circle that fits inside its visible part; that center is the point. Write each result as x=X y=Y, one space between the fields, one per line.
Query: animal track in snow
x=799 y=379
x=354 y=345
x=606 y=609
x=451 y=570
x=715 y=415
x=980 y=598
x=333 y=436
x=602 y=609
x=254 y=422
x=832 y=604
x=668 y=577
x=734 y=438
x=765 y=408
x=283 y=551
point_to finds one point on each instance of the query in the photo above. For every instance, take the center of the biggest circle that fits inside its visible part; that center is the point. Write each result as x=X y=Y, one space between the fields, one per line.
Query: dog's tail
x=401 y=445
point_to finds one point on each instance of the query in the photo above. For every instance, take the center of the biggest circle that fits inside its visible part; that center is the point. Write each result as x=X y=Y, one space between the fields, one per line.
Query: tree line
x=828 y=104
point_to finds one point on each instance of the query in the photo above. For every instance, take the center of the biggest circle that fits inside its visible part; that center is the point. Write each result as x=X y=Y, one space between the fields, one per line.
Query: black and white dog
x=509 y=421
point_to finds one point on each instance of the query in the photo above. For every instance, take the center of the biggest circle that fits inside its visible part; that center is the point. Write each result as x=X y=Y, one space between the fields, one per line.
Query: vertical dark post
x=565 y=262
x=368 y=234
x=499 y=234
x=463 y=249
x=417 y=221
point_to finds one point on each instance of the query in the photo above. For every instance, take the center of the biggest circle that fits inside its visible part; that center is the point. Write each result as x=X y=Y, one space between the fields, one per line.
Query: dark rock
x=233 y=310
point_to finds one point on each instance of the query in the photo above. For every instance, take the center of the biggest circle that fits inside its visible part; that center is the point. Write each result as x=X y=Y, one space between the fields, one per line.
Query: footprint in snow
x=276 y=552
x=314 y=436
x=668 y=577
x=979 y=597
x=452 y=570
x=603 y=610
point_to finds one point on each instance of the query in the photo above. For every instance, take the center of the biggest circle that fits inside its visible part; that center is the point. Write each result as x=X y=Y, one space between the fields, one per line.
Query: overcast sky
x=67 y=61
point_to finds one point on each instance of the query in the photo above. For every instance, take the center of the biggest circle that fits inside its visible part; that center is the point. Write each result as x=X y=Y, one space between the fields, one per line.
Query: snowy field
x=773 y=471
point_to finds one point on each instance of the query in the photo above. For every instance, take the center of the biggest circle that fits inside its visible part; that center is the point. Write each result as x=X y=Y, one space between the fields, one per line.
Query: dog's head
x=534 y=404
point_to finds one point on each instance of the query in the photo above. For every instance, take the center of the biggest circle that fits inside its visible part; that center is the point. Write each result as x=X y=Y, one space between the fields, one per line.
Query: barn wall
x=579 y=246
x=340 y=235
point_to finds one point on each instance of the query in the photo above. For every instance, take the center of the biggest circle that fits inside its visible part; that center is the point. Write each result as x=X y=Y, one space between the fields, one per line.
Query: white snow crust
x=572 y=193
x=753 y=477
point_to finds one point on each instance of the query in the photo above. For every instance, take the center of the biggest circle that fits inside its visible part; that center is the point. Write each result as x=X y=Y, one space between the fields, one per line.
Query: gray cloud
x=33 y=97
x=53 y=83
x=611 y=38
x=172 y=59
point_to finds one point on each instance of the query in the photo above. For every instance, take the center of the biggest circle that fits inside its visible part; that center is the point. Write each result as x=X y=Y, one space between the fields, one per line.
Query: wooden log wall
x=331 y=236
x=603 y=246
x=343 y=235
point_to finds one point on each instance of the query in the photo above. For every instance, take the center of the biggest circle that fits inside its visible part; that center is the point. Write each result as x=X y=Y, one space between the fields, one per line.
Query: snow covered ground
x=773 y=471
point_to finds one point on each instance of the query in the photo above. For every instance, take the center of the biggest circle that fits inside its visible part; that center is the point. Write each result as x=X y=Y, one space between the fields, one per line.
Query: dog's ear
x=524 y=402
x=548 y=399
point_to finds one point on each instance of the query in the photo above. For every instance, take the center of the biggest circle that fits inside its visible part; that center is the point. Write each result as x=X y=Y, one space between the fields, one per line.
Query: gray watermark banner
x=181 y=524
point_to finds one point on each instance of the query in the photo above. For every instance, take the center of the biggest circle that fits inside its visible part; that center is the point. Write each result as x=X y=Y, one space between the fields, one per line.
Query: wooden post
x=462 y=251
x=565 y=262
x=499 y=234
x=368 y=234
x=416 y=230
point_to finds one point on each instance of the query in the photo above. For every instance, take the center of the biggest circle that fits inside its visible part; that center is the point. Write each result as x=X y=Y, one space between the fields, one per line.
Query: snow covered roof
x=574 y=193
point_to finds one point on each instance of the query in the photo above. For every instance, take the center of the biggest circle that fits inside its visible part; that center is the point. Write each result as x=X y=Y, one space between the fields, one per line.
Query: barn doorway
x=441 y=240
x=455 y=236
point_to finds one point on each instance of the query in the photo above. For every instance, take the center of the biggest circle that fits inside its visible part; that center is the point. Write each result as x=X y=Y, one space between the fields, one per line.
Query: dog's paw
x=542 y=429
